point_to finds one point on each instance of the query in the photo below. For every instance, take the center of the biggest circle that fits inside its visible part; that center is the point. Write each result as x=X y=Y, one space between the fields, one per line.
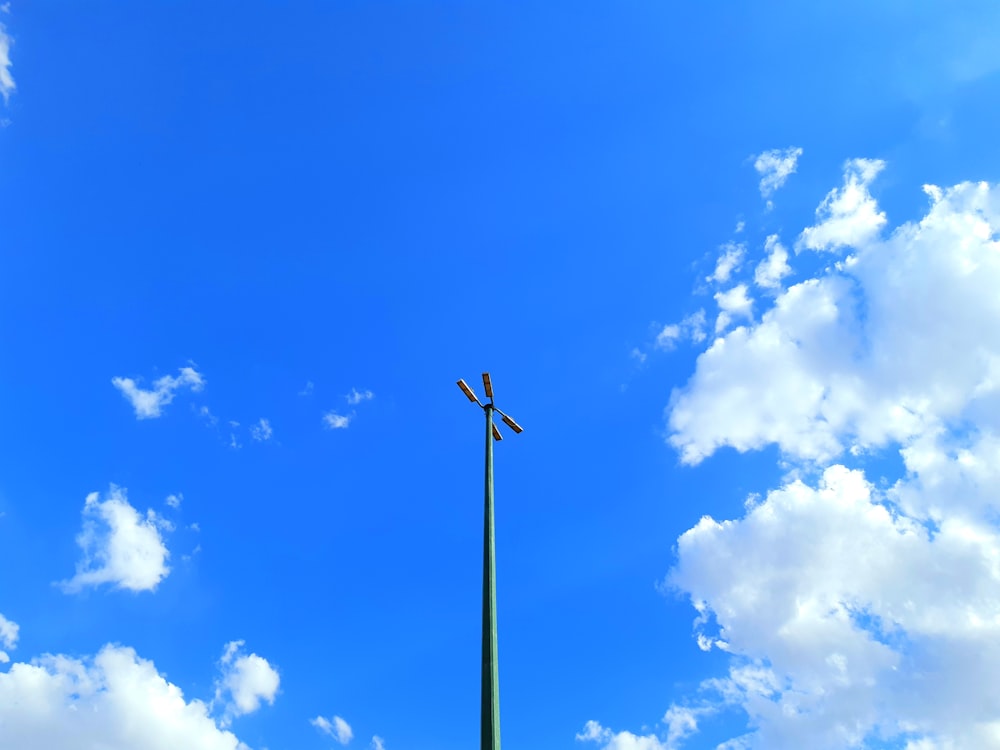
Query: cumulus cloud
x=356 y=397
x=849 y=215
x=869 y=621
x=774 y=267
x=261 y=431
x=149 y=403
x=608 y=740
x=339 y=729
x=377 y=743
x=728 y=261
x=175 y=500
x=8 y=637
x=733 y=303
x=892 y=344
x=335 y=421
x=113 y=700
x=775 y=167
x=855 y=612
x=7 y=85
x=120 y=546
x=245 y=681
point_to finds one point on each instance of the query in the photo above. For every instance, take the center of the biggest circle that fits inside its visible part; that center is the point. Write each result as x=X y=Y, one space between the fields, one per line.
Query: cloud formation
x=7 y=85
x=149 y=403
x=849 y=215
x=246 y=680
x=120 y=547
x=261 y=431
x=335 y=421
x=113 y=700
x=728 y=261
x=854 y=611
x=356 y=397
x=774 y=267
x=775 y=167
x=8 y=637
x=692 y=328
x=337 y=728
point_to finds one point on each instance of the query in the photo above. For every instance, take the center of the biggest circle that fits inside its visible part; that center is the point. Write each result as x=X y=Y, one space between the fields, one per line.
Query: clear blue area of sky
x=390 y=196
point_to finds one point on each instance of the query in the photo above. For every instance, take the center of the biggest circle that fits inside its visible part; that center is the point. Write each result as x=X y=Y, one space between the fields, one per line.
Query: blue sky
x=255 y=212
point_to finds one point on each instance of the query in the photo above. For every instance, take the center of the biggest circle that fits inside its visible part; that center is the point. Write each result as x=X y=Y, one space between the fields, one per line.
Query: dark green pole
x=490 y=710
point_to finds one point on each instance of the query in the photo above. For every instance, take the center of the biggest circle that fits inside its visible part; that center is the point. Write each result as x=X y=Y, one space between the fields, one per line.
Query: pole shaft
x=490 y=709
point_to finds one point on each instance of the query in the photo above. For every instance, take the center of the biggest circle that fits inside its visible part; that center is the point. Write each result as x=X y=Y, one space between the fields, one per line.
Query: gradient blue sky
x=387 y=197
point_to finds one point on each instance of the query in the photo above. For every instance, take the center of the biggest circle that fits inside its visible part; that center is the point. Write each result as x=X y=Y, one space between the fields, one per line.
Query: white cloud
x=608 y=740
x=377 y=743
x=682 y=721
x=335 y=421
x=174 y=500
x=7 y=85
x=775 y=167
x=119 y=546
x=356 y=397
x=308 y=389
x=205 y=413
x=246 y=680
x=733 y=303
x=148 y=404
x=849 y=215
x=638 y=355
x=337 y=728
x=729 y=260
x=8 y=637
x=869 y=622
x=691 y=328
x=774 y=267
x=261 y=431
x=114 y=700
x=902 y=338
x=853 y=614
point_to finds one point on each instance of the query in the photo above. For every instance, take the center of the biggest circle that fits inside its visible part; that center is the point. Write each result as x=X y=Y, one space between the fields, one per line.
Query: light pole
x=489 y=717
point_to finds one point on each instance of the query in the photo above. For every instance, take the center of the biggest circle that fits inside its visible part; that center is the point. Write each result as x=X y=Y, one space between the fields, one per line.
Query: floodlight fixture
x=511 y=423
x=488 y=385
x=496 y=433
x=468 y=392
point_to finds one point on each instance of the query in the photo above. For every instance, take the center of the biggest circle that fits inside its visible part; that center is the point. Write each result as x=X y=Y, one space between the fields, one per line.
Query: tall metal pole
x=490 y=710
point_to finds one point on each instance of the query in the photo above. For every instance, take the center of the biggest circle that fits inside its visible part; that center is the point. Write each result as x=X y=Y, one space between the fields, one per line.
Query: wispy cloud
x=775 y=167
x=729 y=260
x=7 y=85
x=356 y=397
x=261 y=431
x=308 y=389
x=149 y=403
x=335 y=421
x=692 y=328
x=336 y=727
x=8 y=637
